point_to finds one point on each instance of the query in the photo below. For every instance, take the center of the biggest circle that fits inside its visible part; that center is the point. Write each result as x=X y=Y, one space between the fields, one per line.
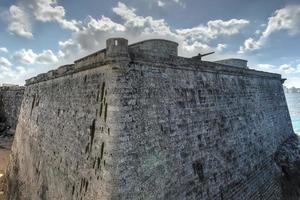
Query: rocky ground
x=5 y=146
x=287 y=158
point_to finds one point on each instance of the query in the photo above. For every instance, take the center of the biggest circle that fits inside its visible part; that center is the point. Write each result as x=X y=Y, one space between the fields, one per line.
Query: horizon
x=40 y=35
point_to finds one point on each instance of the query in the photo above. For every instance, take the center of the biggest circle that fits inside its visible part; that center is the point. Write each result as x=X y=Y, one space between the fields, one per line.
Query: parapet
x=158 y=51
x=8 y=87
x=235 y=62
x=154 y=47
x=61 y=71
x=97 y=57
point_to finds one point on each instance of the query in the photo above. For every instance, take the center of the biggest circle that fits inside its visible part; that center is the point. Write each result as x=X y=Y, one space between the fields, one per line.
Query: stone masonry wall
x=65 y=145
x=193 y=134
x=155 y=128
x=10 y=103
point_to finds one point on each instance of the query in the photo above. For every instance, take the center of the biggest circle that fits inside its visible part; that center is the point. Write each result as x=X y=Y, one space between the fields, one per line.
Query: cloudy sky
x=39 y=35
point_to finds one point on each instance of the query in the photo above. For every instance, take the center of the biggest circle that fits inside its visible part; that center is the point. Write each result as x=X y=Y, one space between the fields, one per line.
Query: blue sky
x=39 y=35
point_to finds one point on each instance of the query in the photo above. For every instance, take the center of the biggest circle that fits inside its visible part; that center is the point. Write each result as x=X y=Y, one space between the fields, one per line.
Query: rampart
x=139 y=122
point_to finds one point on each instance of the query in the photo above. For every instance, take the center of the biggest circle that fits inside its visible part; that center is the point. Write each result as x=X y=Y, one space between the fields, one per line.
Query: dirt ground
x=5 y=147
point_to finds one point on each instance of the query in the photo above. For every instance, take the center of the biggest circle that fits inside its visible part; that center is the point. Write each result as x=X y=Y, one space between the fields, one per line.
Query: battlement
x=158 y=51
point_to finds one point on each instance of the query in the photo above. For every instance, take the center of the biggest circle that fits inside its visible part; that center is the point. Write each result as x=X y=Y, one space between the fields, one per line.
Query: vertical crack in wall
x=33 y=104
x=92 y=133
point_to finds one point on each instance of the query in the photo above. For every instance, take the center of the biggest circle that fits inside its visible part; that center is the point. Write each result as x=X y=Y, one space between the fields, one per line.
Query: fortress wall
x=202 y=135
x=65 y=145
x=10 y=103
x=155 y=128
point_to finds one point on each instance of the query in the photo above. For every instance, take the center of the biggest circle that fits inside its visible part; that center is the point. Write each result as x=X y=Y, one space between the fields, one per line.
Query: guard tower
x=117 y=49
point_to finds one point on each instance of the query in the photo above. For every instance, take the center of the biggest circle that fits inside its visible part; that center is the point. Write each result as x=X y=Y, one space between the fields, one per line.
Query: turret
x=117 y=49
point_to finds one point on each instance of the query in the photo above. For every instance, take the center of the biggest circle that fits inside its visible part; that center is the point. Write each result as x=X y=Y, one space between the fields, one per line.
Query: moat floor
x=5 y=149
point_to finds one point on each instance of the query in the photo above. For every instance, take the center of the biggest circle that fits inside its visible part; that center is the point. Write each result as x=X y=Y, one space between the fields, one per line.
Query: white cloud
x=3 y=50
x=283 y=69
x=197 y=39
x=4 y=63
x=287 y=69
x=47 y=56
x=196 y=46
x=49 y=11
x=292 y=82
x=141 y=25
x=16 y=75
x=266 y=68
x=251 y=44
x=92 y=33
x=287 y=18
x=104 y=24
x=213 y=29
x=27 y=56
x=21 y=17
x=161 y=3
x=221 y=47
x=72 y=25
x=19 y=23
x=257 y=32
x=69 y=50
x=191 y=40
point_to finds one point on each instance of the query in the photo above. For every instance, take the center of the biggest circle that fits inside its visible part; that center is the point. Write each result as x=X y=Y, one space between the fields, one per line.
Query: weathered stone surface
x=10 y=104
x=145 y=126
x=287 y=158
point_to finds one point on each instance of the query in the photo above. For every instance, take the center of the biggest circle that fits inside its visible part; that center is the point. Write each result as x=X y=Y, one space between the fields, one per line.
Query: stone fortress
x=138 y=122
